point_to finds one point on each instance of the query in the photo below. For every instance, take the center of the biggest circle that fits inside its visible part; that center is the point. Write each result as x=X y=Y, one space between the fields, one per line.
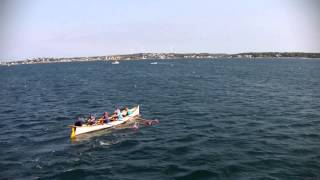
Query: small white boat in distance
x=76 y=130
x=115 y=62
x=154 y=63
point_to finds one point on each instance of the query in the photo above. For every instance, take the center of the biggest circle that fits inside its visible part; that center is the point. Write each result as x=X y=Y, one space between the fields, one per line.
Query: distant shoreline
x=166 y=56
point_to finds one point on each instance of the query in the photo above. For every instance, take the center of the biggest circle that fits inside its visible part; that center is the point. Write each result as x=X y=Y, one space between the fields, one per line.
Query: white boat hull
x=76 y=130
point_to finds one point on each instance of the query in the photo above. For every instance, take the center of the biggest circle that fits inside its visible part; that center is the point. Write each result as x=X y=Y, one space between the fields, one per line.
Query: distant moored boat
x=115 y=62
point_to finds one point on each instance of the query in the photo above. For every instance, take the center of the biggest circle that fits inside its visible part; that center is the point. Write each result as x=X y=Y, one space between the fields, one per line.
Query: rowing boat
x=76 y=130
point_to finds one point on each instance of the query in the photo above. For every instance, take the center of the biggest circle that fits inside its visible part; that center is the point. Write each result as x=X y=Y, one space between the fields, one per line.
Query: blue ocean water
x=219 y=119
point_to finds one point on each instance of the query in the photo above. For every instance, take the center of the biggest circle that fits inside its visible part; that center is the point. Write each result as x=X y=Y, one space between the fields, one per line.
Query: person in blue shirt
x=119 y=114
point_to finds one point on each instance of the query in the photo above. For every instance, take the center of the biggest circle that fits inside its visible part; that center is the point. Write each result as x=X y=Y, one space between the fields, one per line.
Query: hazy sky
x=64 y=28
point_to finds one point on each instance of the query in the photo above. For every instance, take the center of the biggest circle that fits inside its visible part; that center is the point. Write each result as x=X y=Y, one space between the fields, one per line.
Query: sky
x=68 y=28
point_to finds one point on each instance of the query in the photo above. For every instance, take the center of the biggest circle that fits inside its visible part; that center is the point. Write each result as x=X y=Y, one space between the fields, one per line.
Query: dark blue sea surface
x=219 y=119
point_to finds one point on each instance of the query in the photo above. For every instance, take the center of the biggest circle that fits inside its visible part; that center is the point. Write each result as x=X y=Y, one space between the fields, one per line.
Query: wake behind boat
x=86 y=128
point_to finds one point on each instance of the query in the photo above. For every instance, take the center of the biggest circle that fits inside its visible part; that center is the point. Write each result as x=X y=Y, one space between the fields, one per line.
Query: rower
x=78 y=122
x=114 y=116
x=91 y=120
x=119 y=114
x=125 y=112
x=129 y=112
x=106 y=117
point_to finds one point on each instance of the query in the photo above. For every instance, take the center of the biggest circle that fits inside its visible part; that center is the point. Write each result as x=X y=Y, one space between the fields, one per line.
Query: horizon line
x=121 y=54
